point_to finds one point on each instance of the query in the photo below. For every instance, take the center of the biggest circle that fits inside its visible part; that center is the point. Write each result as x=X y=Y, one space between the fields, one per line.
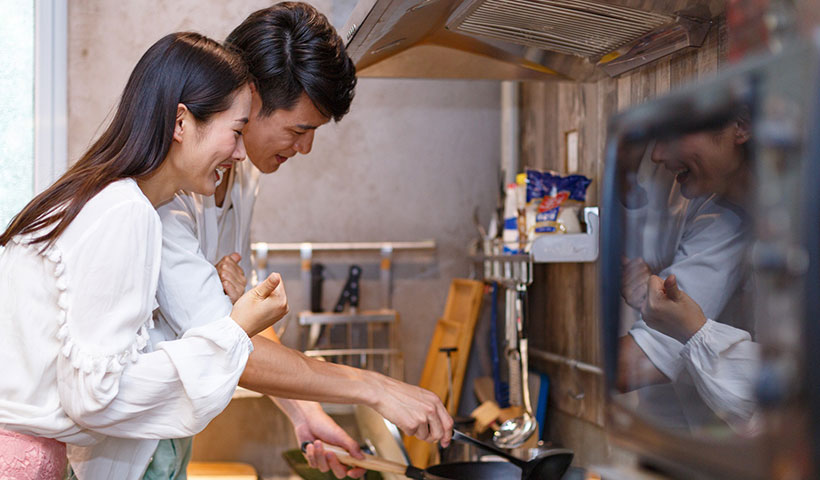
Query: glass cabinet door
x=708 y=261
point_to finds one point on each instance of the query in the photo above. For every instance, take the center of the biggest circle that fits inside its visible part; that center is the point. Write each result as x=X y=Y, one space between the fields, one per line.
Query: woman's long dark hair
x=186 y=68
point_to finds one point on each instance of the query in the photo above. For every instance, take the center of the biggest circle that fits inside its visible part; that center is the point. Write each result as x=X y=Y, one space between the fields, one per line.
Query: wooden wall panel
x=564 y=297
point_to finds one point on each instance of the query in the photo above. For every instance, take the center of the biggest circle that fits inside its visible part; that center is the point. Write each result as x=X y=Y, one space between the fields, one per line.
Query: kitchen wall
x=412 y=161
x=565 y=296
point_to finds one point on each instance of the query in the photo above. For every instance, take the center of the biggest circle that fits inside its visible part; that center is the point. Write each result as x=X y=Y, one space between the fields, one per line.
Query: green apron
x=170 y=461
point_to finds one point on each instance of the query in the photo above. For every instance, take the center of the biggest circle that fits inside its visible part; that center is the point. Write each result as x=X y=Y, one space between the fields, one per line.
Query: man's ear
x=180 y=123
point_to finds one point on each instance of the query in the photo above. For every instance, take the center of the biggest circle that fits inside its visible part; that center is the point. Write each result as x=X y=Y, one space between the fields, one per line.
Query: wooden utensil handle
x=369 y=462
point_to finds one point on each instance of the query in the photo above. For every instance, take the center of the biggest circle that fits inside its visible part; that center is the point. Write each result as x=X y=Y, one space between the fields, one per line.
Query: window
x=16 y=107
x=32 y=100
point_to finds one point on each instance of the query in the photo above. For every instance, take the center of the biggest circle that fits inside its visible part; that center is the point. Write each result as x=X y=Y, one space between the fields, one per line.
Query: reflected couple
x=686 y=348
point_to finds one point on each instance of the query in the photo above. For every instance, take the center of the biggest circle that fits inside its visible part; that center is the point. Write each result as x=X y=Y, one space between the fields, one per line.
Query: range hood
x=577 y=40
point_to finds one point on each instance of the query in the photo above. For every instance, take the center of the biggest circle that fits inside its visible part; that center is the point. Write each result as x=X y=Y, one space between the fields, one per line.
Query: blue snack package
x=548 y=193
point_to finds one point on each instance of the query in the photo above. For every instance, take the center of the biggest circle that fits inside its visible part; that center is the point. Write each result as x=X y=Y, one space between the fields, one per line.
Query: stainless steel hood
x=520 y=39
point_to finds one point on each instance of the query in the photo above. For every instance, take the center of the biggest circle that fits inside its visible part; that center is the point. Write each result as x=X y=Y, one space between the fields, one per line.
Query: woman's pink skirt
x=24 y=457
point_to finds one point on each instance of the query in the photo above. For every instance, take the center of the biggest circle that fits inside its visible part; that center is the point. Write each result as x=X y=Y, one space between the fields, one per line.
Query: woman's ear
x=741 y=133
x=743 y=126
x=180 y=122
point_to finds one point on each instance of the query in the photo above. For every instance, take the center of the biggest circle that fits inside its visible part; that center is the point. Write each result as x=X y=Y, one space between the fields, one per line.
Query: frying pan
x=550 y=465
x=476 y=471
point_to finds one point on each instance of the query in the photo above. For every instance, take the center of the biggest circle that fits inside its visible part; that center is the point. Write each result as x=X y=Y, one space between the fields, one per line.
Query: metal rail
x=330 y=318
x=343 y=246
x=350 y=352
x=570 y=362
x=261 y=251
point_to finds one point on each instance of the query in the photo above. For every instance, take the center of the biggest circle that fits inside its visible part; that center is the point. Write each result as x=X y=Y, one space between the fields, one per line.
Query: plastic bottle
x=509 y=236
x=524 y=221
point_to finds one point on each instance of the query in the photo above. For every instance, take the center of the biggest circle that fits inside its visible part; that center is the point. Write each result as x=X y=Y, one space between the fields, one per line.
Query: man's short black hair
x=291 y=48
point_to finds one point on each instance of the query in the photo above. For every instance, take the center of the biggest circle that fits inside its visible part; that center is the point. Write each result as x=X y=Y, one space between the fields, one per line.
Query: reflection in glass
x=687 y=358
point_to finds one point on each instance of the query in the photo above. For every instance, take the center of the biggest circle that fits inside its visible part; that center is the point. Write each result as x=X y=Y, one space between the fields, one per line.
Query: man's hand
x=280 y=371
x=414 y=410
x=232 y=276
x=670 y=310
x=311 y=424
x=636 y=274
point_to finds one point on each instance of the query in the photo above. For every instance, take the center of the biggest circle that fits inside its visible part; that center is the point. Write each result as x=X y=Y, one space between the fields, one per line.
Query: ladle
x=550 y=465
x=515 y=431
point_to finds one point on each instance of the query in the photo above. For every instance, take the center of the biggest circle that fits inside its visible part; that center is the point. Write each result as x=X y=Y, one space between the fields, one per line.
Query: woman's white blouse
x=724 y=364
x=74 y=322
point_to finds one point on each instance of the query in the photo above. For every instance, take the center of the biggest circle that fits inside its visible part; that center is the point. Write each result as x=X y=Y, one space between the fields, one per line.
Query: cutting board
x=454 y=329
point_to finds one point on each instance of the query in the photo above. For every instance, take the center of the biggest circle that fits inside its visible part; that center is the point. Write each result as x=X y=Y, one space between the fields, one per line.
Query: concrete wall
x=411 y=161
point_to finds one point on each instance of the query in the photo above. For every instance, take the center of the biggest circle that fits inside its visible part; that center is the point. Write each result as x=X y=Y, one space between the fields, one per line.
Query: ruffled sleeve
x=723 y=362
x=109 y=262
x=108 y=269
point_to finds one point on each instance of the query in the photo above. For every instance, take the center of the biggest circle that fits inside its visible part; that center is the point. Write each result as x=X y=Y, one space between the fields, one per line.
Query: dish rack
x=367 y=339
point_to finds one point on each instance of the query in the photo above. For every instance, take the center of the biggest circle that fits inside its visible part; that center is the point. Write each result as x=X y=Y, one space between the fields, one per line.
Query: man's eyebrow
x=306 y=127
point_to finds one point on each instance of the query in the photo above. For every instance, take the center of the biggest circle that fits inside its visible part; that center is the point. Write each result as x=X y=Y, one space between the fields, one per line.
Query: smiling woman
x=707 y=162
x=79 y=274
x=203 y=147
